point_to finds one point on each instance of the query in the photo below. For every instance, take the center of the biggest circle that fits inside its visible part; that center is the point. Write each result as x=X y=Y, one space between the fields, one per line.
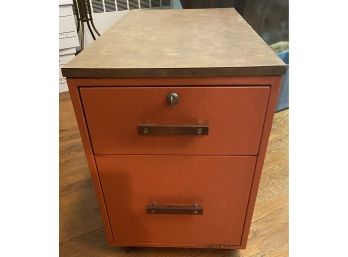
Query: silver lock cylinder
x=173 y=98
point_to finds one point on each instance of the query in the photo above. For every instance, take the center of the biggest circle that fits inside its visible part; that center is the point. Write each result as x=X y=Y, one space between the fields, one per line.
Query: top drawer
x=204 y=121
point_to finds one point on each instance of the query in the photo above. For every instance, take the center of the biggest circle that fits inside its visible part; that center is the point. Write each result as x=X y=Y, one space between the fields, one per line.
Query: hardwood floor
x=81 y=229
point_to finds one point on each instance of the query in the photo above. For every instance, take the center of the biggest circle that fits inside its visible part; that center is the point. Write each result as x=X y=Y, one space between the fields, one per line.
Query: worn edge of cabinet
x=174 y=72
x=272 y=81
x=271 y=107
x=167 y=82
x=164 y=245
x=80 y=117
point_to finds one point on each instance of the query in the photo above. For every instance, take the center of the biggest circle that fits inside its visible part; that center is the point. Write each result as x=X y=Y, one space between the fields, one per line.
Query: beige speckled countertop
x=177 y=43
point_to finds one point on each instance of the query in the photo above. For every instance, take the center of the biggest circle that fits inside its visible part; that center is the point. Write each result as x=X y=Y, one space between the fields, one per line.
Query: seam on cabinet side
x=96 y=166
x=246 y=211
x=256 y=161
x=86 y=122
x=264 y=118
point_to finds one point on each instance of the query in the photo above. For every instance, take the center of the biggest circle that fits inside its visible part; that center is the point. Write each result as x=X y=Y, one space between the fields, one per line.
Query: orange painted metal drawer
x=193 y=201
x=205 y=121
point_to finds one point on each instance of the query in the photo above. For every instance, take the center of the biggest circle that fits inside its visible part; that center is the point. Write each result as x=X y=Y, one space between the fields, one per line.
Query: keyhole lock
x=173 y=98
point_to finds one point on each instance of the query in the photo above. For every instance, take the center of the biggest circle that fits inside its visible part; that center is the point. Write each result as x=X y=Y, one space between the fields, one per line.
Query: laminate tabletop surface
x=177 y=43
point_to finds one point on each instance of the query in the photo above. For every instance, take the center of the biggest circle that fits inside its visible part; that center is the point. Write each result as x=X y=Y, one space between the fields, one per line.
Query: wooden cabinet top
x=177 y=43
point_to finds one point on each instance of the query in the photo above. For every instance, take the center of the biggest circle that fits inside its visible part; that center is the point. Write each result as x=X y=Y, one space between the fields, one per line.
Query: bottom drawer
x=163 y=200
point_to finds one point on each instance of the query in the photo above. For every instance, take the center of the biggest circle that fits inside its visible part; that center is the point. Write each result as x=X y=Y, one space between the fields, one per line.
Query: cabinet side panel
x=75 y=98
x=275 y=86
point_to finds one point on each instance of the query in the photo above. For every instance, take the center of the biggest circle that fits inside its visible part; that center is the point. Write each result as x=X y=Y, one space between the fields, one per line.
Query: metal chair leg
x=82 y=36
x=95 y=29
x=84 y=15
x=76 y=9
x=90 y=30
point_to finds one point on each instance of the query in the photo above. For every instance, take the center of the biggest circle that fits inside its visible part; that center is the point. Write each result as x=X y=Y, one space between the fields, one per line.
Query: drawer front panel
x=232 y=119
x=199 y=200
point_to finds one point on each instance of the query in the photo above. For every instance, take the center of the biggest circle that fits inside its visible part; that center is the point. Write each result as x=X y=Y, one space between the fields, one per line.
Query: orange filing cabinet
x=175 y=109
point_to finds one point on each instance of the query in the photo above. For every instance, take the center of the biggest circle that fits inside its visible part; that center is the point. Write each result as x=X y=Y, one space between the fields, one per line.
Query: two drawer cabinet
x=175 y=123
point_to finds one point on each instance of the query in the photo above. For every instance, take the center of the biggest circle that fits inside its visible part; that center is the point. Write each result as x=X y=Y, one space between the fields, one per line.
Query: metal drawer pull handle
x=173 y=209
x=153 y=129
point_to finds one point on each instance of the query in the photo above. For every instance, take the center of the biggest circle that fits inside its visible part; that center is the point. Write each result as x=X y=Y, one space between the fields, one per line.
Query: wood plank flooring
x=81 y=229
